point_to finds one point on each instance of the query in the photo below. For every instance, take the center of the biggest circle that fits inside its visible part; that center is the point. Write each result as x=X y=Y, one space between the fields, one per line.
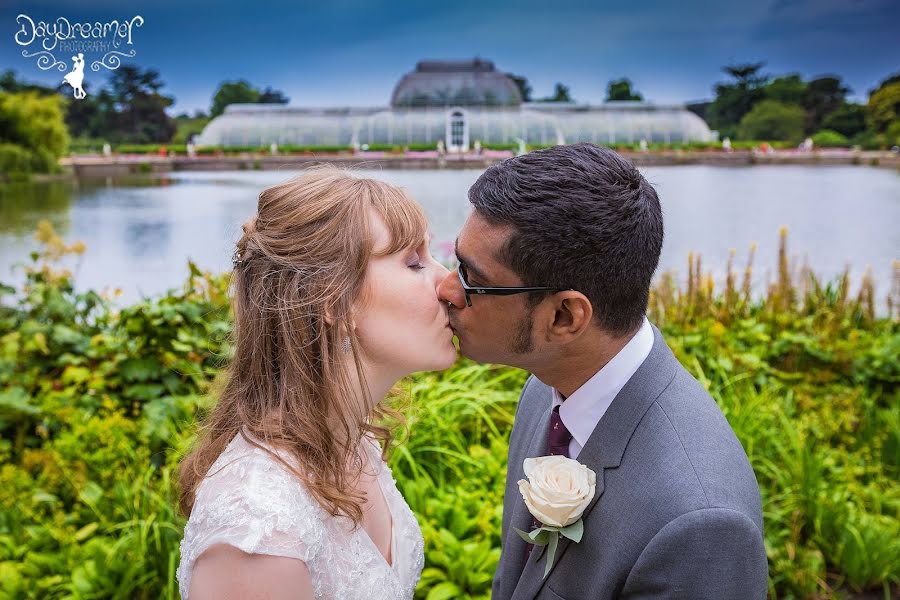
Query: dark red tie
x=558 y=438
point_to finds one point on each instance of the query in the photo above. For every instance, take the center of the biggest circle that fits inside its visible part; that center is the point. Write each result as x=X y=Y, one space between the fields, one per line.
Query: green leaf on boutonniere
x=538 y=537
x=574 y=531
x=548 y=536
x=551 y=552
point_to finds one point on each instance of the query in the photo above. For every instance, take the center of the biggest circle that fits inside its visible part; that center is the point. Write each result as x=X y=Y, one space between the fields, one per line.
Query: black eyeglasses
x=495 y=291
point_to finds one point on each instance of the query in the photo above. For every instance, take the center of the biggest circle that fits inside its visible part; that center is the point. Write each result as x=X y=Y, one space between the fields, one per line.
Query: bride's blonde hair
x=304 y=254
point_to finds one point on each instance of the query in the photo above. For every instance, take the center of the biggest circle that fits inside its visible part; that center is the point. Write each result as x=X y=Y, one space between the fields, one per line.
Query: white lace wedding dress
x=256 y=505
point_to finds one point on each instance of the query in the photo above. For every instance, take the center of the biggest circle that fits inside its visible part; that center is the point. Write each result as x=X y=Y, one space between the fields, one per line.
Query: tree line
x=39 y=123
x=753 y=105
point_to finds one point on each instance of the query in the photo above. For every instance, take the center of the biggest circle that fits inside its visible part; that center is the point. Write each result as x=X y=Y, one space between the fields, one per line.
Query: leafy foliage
x=560 y=94
x=734 y=99
x=241 y=91
x=32 y=132
x=884 y=106
x=620 y=89
x=826 y=138
x=97 y=405
x=771 y=120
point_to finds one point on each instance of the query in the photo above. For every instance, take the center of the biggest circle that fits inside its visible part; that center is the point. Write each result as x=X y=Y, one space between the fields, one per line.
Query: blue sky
x=345 y=53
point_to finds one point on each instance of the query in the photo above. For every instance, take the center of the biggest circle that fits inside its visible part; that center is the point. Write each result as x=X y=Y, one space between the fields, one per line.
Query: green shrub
x=892 y=134
x=289 y=148
x=827 y=138
x=34 y=123
x=137 y=148
x=499 y=146
x=421 y=146
x=97 y=405
x=15 y=159
x=770 y=119
x=869 y=140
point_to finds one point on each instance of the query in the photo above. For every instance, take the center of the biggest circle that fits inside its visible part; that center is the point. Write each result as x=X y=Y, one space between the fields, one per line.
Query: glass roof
x=455 y=83
x=534 y=123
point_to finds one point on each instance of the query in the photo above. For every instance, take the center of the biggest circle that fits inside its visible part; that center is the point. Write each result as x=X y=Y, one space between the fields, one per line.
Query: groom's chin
x=470 y=353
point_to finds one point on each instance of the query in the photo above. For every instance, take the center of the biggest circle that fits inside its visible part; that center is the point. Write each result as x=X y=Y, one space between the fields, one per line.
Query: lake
x=140 y=232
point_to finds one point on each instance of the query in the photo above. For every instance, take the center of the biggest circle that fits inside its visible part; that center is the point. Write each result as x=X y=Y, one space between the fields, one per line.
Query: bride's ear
x=329 y=320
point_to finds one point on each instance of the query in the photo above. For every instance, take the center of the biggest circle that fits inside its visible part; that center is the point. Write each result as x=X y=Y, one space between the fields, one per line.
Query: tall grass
x=96 y=406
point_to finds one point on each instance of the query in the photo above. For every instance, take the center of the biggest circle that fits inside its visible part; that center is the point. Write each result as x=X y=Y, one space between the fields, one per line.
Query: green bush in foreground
x=97 y=404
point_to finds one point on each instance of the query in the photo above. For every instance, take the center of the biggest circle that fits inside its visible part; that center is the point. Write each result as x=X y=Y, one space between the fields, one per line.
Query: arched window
x=457 y=134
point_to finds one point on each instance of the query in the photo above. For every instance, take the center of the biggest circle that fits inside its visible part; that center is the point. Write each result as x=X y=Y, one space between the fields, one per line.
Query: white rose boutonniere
x=557 y=492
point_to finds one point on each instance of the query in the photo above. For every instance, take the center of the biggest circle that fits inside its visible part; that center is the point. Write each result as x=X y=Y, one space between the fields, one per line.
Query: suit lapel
x=521 y=518
x=603 y=450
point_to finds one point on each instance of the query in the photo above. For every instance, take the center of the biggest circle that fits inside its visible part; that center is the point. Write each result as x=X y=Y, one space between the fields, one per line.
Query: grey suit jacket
x=676 y=513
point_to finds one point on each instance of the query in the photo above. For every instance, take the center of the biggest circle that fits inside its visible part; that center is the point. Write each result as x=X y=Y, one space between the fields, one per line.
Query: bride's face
x=404 y=326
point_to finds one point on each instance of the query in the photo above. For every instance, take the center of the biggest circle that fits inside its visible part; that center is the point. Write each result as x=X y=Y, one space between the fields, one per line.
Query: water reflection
x=140 y=232
x=22 y=205
x=142 y=238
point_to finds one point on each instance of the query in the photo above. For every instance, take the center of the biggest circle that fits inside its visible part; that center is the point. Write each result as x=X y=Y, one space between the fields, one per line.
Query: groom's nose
x=451 y=291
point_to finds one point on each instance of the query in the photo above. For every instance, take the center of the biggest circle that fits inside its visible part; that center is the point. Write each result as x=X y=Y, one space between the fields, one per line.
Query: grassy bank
x=98 y=403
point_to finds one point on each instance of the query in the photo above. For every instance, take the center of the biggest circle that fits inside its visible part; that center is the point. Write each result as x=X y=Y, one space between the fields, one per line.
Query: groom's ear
x=572 y=313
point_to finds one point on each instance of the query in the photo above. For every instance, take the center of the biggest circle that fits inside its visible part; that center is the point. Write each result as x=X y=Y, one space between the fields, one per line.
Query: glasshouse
x=457 y=103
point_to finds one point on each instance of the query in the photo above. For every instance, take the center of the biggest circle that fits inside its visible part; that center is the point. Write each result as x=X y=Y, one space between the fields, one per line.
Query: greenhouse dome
x=486 y=107
x=455 y=83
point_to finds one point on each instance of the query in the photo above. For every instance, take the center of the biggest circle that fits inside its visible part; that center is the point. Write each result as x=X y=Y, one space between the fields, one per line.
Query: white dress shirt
x=583 y=409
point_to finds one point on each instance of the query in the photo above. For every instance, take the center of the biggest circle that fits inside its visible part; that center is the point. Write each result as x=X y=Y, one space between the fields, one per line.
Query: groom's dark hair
x=583 y=217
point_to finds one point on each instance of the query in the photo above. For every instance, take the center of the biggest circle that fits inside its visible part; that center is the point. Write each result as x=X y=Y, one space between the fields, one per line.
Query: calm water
x=140 y=233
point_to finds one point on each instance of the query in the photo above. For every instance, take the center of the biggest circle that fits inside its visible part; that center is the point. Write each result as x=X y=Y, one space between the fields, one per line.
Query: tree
x=232 y=92
x=620 y=89
x=523 y=85
x=772 y=120
x=242 y=92
x=188 y=126
x=699 y=108
x=883 y=108
x=33 y=134
x=94 y=116
x=848 y=120
x=270 y=96
x=560 y=94
x=788 y=89
x=823 y=96
x=735 y=99
x=10 y=83
x=141 y=117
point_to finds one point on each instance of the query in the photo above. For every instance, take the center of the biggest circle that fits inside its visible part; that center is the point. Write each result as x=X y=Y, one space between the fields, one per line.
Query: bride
x=286 y=490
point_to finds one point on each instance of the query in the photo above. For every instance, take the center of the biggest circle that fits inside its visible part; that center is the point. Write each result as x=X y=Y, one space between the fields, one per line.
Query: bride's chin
x=451 y=356
x=442 y=360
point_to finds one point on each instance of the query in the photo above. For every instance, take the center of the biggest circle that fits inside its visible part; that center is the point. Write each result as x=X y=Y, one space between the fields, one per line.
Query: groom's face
x=496 y=329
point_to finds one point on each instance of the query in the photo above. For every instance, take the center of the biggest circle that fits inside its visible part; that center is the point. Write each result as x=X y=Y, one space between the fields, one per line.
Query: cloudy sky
x=347 y=53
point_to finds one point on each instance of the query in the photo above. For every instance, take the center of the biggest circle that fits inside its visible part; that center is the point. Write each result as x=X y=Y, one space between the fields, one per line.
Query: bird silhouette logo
x=76 y=76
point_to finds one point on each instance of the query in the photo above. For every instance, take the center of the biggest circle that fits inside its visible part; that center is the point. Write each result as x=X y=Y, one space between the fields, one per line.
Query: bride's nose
x=438 y=276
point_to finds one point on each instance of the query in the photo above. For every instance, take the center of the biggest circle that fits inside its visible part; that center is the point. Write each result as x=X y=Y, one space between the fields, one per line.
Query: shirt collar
x=584 y=408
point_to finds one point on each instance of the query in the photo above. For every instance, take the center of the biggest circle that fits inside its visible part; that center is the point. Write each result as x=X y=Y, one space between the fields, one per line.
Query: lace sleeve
x=254 y=504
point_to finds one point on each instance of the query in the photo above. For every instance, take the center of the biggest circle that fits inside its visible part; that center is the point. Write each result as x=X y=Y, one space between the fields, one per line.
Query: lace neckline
x=375 y=458
x=390 y=506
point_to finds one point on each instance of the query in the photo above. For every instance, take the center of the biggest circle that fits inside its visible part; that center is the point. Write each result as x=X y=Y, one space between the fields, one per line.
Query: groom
x=555 y=263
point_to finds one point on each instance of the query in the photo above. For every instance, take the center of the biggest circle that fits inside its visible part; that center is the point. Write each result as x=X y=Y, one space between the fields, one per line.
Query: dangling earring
x=345 y=345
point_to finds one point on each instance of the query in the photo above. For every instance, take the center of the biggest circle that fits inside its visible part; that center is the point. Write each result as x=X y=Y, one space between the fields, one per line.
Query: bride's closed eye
x=421 y=251
x=416 y=262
